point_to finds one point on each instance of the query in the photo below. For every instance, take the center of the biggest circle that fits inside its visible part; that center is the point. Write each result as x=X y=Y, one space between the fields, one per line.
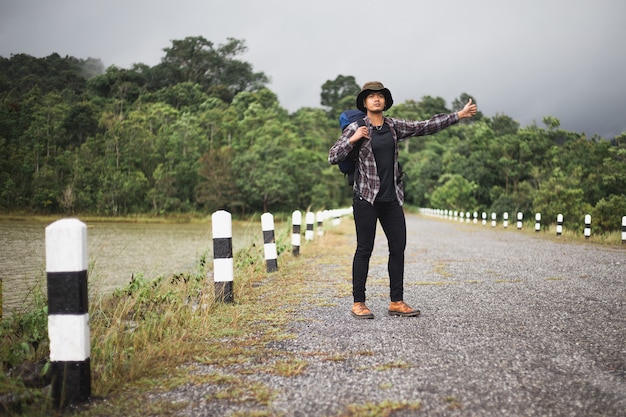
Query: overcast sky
x=526 y=59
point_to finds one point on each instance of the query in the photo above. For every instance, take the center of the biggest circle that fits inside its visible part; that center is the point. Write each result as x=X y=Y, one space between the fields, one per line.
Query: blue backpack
x=348 y=165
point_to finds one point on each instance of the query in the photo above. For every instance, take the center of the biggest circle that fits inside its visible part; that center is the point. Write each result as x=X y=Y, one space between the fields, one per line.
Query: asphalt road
x=512 y=324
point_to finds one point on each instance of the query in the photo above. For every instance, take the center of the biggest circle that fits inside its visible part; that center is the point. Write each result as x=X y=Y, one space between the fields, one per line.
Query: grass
x=393 y=365
x=149 y=336
x=382 y=409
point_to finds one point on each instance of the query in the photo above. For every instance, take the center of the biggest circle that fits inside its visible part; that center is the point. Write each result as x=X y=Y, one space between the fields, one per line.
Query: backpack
x=348 y=165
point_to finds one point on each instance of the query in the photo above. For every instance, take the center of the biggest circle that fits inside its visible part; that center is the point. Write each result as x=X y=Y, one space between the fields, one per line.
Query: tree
x=428 y=106
x=455 y=192
x=216 y=190
x=266 y=165
x=196 y=60
x=335 y=92
x=607 y=214
x=122 y=86
x=561 y=194
x=182 y=96
x=261 y=178
x=80 y=123
x=501 y=124
x=315 y=130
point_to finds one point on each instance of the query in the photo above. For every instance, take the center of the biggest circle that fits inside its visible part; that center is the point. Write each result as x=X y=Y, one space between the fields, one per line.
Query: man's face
x=375 y=102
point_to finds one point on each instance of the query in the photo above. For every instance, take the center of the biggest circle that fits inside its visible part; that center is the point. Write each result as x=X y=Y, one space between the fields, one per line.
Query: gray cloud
x=531 y=59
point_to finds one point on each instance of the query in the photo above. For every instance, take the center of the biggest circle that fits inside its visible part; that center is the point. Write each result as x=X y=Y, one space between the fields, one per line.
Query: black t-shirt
x=384 y=148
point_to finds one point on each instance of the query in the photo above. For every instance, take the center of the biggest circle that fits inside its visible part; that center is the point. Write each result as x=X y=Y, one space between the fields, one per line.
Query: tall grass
x=24 y=349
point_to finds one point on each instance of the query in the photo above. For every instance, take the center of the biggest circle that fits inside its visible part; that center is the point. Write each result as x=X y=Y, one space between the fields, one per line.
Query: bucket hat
x=370 y=87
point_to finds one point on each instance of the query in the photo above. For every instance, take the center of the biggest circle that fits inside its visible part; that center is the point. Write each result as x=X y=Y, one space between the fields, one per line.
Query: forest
x=201 y=131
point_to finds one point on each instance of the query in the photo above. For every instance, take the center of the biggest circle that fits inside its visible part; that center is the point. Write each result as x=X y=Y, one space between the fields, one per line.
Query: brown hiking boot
x=400 y=308
x=360 y=311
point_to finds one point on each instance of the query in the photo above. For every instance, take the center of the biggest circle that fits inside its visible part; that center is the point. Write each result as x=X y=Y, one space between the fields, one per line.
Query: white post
x=623 y=230
x=223 y=267
x=505 y=221
x=310 y=220
x=559 y=224
x=587 y=226
x=484 y=218
x=475 y=217
x=68 y=311
x=319 y=216
x=520 y=217
x=493 y=219
x=269 y=244
x=537 y=222
x=296 y=222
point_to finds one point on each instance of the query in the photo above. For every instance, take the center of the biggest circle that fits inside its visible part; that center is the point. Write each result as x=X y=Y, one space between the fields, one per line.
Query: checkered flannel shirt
x=367 y=183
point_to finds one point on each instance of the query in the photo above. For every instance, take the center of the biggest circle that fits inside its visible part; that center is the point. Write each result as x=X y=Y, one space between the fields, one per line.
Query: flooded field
x=116 y=251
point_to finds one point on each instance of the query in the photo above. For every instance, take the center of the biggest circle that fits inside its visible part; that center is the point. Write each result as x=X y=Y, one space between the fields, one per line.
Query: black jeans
x=391 y=217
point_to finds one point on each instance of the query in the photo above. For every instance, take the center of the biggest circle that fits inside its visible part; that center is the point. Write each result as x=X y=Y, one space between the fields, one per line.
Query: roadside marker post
x=587 y=226
x=223 y=265
x=68 y=311
x=537 y=222
x=319 y=217
x=269 y=242
x=296 y=224
x=310 y=221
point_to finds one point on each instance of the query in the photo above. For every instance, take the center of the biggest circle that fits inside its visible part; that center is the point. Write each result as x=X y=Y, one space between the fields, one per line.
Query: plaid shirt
x=367 y=183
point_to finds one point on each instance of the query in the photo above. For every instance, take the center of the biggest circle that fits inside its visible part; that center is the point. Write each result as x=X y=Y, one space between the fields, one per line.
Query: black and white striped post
x=310 y=222
x=475 y=217
x=623 y=230
x=319 y=217
x=587 y=226
x=269 y=244
x=68 y=311
x=296 y=223
x=505 y=220
x=223 y=267
x=559 y=224
x=537 y=222
x=520 y=218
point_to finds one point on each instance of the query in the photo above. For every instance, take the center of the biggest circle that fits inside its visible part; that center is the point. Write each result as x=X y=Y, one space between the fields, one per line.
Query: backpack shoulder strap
x=360 y=122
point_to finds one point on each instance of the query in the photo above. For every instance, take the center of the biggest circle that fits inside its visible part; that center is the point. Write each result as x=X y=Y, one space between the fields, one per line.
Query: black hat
x=370 y=87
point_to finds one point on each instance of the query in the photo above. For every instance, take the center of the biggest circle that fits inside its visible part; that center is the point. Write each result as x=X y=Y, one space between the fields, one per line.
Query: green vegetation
x=201 y=131
x=149 y=336
x=152 y=337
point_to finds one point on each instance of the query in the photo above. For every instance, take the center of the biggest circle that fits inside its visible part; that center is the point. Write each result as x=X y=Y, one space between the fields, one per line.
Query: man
x=378 y=189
